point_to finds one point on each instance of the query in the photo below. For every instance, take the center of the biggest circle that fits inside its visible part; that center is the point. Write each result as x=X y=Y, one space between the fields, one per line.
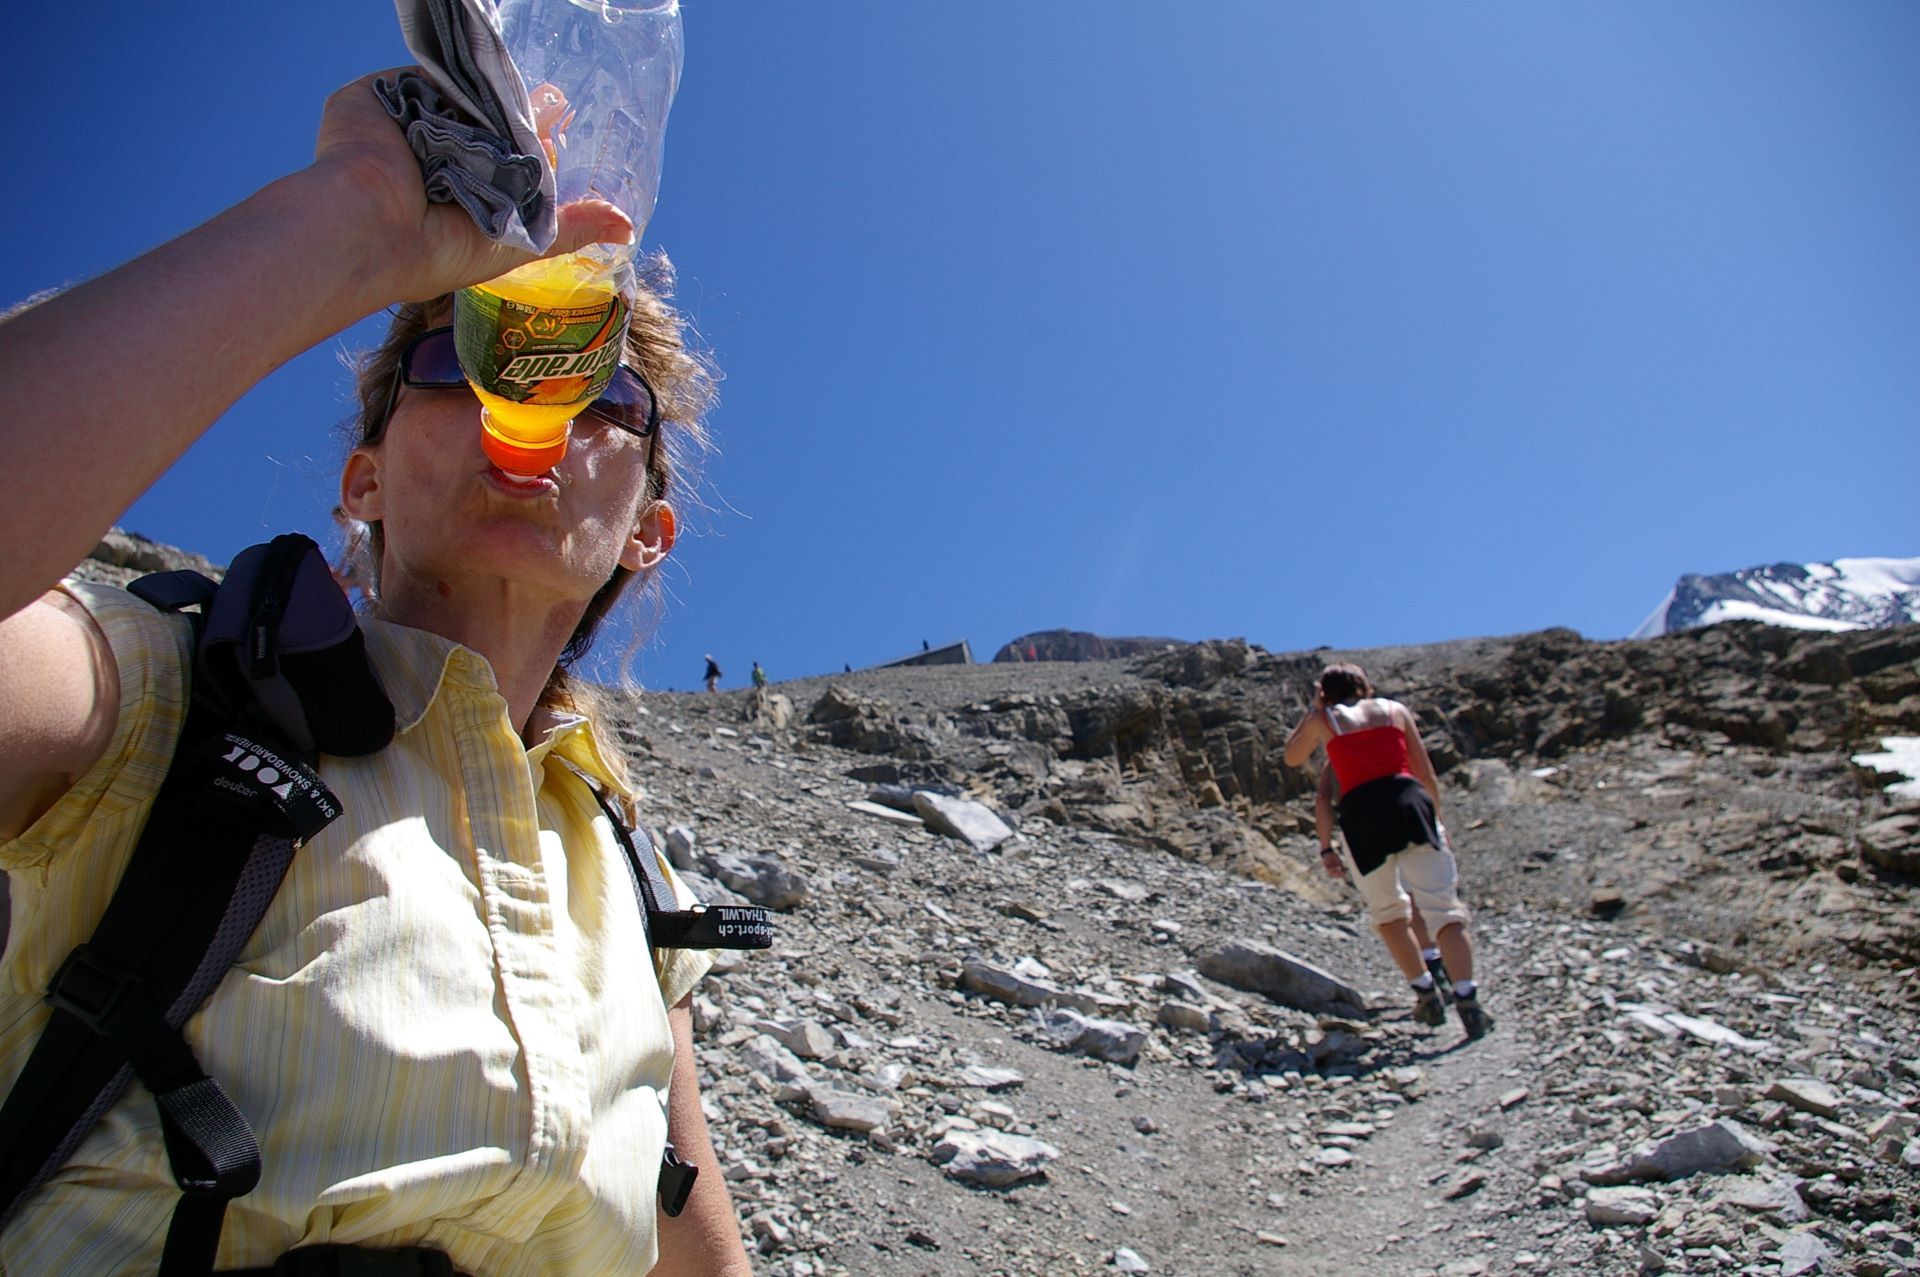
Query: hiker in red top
x=1398 y=853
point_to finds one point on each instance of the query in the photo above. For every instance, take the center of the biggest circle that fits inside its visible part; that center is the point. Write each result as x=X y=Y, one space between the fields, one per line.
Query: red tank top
x=1368 y=754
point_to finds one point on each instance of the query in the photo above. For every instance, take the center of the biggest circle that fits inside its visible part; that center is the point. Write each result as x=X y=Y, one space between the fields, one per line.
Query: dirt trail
x=1395 y=1209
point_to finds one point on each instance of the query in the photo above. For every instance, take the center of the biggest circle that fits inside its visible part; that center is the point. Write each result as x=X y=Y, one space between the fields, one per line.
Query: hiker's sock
x=1430 y=956
x=1465 y=988
x=1424 y=982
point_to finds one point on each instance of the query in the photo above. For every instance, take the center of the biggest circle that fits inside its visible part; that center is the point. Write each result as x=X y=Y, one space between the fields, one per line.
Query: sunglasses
x=430 y=363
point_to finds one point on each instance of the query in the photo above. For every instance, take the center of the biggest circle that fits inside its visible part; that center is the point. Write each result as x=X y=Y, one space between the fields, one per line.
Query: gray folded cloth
x=469 y=120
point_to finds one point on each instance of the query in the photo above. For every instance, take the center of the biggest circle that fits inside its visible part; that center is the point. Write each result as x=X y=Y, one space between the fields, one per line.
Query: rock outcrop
x=1078 y=645
x=121 y=556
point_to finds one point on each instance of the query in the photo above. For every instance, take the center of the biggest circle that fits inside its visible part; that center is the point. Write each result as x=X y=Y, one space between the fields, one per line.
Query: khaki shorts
x=1421 y=876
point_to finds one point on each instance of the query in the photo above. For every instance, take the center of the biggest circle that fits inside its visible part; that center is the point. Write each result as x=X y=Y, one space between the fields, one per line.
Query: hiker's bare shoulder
x=59 y=699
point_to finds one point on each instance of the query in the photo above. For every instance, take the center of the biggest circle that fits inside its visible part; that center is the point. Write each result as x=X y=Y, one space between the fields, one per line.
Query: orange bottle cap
x=517 y=458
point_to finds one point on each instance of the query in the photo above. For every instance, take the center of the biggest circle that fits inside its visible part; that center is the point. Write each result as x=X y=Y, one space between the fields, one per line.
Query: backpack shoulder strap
x=668 y=925
x=240 y=797
x=704 y=927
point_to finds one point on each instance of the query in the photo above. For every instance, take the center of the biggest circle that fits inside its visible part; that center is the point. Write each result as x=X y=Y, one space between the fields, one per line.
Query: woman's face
x=448 y=514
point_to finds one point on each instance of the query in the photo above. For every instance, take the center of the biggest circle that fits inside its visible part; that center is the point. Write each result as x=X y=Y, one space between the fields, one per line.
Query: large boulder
x=972 y=823
x=1291 y=981
x=1712 y=1148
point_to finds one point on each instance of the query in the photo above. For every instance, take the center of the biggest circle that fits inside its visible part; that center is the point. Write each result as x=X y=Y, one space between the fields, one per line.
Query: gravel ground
x=1268 y=1139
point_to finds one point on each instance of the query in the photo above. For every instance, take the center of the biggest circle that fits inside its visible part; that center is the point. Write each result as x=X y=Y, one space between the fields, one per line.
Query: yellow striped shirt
x=446 y=1031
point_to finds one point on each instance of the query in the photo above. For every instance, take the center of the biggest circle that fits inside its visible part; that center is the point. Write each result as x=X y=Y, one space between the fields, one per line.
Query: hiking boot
x=1428 y=1009
x=1473 y=1017
x=1441 y=980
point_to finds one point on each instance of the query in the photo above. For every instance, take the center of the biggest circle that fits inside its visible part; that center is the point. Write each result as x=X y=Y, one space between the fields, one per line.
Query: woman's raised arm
x=111 y=381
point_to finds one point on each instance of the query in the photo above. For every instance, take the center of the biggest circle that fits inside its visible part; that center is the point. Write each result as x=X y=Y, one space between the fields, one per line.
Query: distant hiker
x=450 y=1034
x=713 y=674
x=759 y=675
x=925 y=646
x=1389 y=813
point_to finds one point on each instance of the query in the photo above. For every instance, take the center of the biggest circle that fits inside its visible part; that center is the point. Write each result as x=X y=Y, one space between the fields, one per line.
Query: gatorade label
x=538 y=354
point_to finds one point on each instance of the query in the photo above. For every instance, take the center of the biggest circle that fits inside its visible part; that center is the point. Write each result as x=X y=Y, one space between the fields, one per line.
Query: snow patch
x=1901 y=757
x=1741 y=610
x=1880 y=576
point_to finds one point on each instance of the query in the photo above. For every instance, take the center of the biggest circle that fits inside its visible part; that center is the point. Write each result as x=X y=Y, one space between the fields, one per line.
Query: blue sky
x=1311 y=323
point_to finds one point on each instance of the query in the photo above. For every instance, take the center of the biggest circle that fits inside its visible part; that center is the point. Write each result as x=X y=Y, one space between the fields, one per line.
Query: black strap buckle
x=353 y=1261
x=676 y=1181
x=712 y=927
x=92 y=990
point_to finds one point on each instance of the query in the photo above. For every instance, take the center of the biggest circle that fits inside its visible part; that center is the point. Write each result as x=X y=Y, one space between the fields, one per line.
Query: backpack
x=280 y=675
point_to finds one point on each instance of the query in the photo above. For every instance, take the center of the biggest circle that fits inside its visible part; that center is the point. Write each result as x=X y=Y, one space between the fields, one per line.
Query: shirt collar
x=415 y=665
x=412 y=664
x=571 y=739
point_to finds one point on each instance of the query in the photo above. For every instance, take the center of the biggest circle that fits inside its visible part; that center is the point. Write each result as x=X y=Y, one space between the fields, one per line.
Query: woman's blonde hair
x=683 y=380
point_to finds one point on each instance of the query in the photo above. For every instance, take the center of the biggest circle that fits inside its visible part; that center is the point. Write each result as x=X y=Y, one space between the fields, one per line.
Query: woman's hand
x=417 y=249
x=1308 y=733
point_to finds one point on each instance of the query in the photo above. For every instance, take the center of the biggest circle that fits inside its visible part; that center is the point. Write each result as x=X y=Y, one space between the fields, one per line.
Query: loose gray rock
x=885 y=813
x=806 y=1039
x=681 y=842
x=1184 y=986
x=847 y=1112
x=1185 y=1017
x=971 y=822
x=1484 y=1137
x=1634 y=1207
x=1291 y=981
x=1716 y=1033
x=711 y=891
x=1767 y=1197
x=1103 y=1039
x=1809 y=1095
x=1716 y=1146
x=1032 y=991
x=765 y=1056
x=994 y=1159
x=1334 y=1043
x=761 y=879
x=1803 y=1253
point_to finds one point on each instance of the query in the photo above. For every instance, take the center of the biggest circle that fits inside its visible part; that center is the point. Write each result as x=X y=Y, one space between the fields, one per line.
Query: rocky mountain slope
x=1843 y=595
x=1089 y=1046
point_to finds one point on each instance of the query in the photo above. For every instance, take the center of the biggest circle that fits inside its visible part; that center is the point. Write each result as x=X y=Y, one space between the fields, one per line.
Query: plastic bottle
x=539 y=343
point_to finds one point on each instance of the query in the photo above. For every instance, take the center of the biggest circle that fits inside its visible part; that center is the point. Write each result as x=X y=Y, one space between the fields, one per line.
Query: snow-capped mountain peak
x=1846 y=594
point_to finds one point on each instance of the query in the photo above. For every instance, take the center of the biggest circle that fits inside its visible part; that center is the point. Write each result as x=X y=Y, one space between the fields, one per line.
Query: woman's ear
x=360 y=492
x=652 y=539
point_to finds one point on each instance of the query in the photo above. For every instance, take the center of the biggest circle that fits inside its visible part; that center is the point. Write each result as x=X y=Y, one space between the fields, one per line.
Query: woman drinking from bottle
x=448 y=1033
